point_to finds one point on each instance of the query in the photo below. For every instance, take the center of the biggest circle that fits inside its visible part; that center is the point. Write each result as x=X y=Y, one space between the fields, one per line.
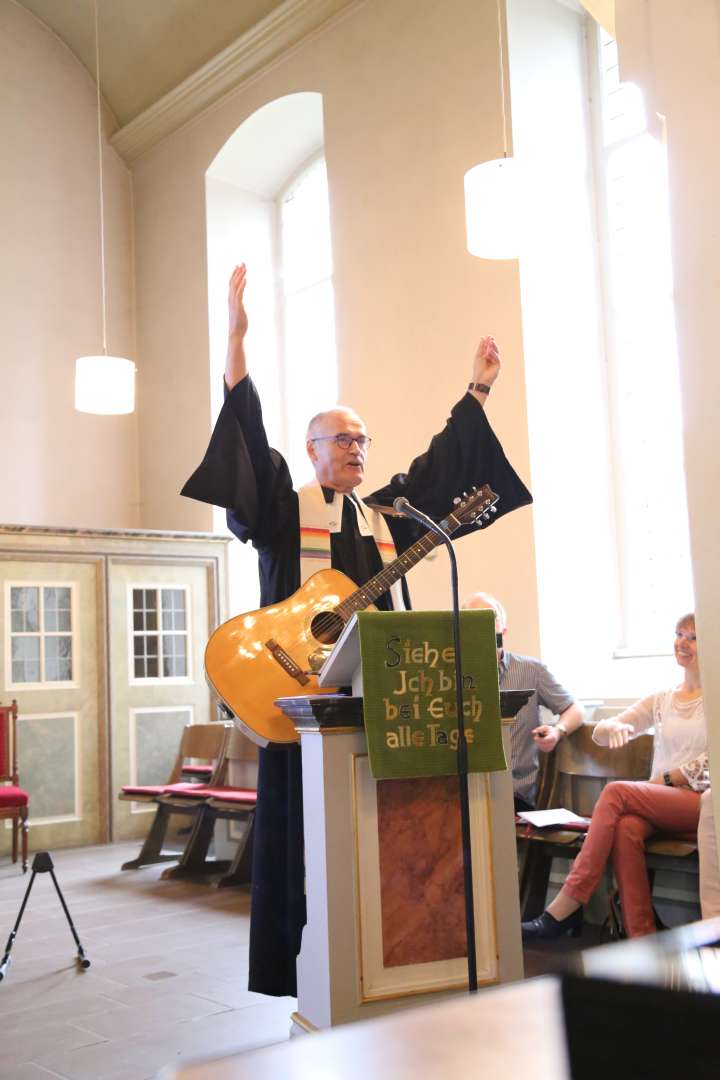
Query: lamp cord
x=100 y=173
x=502 y=78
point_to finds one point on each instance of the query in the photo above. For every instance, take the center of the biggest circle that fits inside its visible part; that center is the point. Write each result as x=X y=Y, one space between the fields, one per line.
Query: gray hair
x=491 y=602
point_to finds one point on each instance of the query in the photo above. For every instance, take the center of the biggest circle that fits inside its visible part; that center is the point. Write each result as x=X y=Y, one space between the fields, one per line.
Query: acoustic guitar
x=253 y=659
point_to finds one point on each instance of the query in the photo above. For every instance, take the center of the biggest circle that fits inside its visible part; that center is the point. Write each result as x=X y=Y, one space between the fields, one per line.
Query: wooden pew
x=235 y=802
x=206 y=742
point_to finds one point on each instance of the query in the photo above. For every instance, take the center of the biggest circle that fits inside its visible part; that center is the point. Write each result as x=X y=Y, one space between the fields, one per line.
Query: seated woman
x=629 y=811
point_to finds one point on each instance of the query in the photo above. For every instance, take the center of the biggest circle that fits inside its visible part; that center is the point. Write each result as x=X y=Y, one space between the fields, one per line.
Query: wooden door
x=52 y=663
x=159 y=619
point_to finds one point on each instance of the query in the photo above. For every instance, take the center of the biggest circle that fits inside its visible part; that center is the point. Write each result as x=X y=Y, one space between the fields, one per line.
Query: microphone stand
x=402 y=506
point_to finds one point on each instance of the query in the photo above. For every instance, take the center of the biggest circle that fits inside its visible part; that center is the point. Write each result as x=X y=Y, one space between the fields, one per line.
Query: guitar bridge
x=286 y=662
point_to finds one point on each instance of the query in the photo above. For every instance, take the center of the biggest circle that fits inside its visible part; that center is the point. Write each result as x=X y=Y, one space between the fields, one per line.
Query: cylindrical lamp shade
x=104 y=385
x=492 y=209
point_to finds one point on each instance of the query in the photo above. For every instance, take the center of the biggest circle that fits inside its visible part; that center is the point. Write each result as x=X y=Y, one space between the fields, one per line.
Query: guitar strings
x=326 y=621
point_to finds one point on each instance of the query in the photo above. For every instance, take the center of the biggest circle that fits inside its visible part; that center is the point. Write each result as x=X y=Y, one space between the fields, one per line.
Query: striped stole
x=319 y=519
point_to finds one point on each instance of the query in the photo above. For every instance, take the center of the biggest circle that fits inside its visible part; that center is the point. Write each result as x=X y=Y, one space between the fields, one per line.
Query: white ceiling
x=147 y=47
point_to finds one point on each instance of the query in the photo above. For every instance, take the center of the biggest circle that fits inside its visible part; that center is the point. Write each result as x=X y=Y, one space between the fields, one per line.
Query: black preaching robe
x=241 y=472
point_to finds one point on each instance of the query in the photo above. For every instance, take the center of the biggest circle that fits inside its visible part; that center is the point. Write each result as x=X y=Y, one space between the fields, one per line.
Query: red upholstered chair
x=13 y=800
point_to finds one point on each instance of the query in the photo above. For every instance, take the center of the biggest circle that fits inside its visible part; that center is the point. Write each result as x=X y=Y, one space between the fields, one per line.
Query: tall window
x=308 y=310
x=644 y=390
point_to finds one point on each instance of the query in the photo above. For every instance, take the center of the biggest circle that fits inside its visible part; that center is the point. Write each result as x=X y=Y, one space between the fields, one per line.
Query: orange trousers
x=626 y=814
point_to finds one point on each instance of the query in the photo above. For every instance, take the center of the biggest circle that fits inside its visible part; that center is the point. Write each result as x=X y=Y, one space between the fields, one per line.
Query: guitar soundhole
x=326 y=627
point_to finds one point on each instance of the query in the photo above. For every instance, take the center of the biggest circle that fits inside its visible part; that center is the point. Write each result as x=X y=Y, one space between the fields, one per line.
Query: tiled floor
x=168 y=974
x=167 y=977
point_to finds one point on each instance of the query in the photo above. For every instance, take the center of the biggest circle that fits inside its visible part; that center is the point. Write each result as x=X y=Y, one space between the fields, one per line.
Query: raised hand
x=236 y=365
x=486 y=365
x=236 y=307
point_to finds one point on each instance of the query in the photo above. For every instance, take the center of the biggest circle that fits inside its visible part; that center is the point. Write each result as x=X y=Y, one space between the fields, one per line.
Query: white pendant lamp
x=104 y=384
x=492 y=193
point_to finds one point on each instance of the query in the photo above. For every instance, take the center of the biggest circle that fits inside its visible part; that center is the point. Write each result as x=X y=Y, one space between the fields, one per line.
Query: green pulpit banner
x=409 y=704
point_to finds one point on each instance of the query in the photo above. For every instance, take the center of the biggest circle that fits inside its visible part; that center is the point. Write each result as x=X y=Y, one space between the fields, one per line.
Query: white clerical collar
x=333 y=502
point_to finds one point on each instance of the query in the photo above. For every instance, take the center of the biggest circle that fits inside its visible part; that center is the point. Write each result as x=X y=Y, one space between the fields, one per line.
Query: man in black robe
x=241 y=472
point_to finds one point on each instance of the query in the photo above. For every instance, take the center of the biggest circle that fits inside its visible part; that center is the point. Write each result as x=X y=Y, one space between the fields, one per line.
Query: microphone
x=402 y=506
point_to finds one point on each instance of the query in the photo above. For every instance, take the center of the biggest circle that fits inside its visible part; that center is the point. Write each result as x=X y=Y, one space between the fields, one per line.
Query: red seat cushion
x=198 y=770
x=13 y=796
x=232 y=795
x=156 y=789
x=186 y=791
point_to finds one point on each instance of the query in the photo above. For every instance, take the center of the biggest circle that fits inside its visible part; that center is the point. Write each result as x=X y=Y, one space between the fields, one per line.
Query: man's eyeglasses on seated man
x=345 y=441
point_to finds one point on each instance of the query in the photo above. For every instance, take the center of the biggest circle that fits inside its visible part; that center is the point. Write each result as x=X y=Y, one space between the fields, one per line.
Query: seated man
x=527 y=733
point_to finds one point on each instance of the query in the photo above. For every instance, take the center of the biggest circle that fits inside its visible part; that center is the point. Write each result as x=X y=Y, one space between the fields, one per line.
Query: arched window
x=267 y=205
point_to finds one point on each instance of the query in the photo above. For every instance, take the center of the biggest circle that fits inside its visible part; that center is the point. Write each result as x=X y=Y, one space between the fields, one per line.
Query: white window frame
x=159 y=680
x=59 y=684
x=142 y=807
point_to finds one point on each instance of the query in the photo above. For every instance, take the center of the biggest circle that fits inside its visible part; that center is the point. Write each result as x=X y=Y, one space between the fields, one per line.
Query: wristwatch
x=667 y=780
x=561 y=727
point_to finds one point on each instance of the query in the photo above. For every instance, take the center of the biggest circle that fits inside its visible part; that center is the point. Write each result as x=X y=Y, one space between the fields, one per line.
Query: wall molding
x=279 y=31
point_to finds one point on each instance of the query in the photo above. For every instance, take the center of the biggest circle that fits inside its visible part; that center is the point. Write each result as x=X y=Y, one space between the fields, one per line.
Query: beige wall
x=411 y=101
x=62 y=467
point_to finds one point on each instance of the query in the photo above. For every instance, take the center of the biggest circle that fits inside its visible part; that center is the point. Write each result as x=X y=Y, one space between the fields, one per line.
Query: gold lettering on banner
x=429 y=693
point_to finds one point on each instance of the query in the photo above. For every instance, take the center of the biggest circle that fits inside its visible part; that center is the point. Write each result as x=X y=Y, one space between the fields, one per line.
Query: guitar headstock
x=474 y=508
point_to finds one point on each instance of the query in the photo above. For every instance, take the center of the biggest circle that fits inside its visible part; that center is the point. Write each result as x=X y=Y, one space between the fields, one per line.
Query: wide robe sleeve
x=244 y=474
x=465 y=454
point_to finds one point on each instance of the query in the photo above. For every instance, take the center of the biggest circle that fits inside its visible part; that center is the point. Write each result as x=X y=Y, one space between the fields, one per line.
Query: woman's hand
x=620 y=735
x=613 y=733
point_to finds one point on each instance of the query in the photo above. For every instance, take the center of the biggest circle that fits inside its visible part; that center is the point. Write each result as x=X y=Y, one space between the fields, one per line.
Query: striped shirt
x=525 y=673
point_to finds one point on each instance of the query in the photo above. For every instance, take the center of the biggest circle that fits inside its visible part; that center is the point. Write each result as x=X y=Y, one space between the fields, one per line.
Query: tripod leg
x=82 y=959
x=13 y=933
x=24 y=828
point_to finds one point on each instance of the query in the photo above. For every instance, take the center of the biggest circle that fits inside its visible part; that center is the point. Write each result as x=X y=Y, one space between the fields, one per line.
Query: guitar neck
x=379 y=584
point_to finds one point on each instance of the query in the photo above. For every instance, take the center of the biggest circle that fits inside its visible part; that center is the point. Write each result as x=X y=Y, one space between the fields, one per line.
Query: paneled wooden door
x=52 y=662
x=159 y=619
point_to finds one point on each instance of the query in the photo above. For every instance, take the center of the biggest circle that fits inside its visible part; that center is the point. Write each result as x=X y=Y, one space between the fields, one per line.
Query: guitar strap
x=318 y=519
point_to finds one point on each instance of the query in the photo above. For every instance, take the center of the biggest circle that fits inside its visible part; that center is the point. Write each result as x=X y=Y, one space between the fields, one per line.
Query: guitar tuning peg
x=493 y=509
x=473 y=489
x=465 y=494
x=456 y=500
x=486 y=517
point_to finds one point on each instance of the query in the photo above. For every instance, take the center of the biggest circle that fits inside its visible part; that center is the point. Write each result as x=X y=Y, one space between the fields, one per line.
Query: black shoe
x=546 y=927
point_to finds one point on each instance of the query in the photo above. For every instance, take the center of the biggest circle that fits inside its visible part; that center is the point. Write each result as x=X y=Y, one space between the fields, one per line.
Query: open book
x=541 y=819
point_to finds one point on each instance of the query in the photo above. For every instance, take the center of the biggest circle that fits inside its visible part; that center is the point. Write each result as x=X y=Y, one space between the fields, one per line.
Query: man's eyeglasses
x=345 y=441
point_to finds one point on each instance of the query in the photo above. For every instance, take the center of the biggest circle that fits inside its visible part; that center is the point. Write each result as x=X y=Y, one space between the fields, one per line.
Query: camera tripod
x=42 y=864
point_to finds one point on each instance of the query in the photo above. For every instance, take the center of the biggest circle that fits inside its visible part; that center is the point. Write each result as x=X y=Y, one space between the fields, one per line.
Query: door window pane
x=58 y=659
x=24 y=608
x=57 y=609
x=25 y=653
